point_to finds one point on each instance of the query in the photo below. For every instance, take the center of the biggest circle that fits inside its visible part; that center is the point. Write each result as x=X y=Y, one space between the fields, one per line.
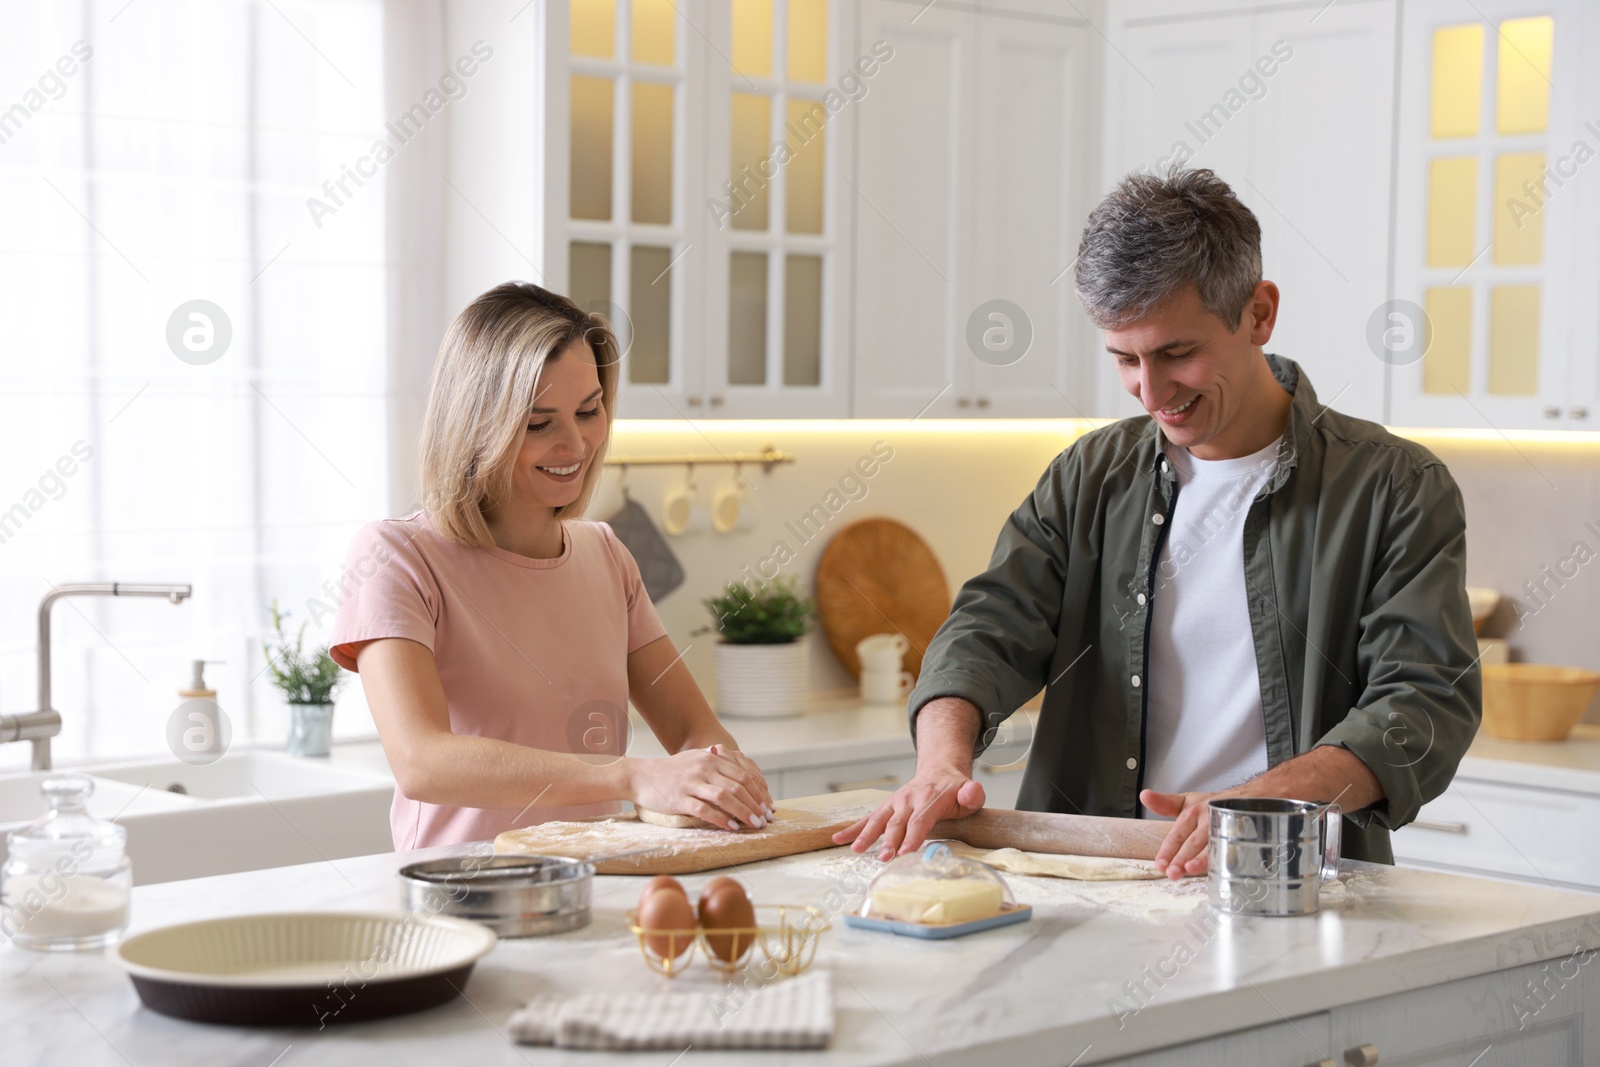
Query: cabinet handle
x=694 y=401
x=1442 y=827
x=983 y=401
x=1362 y=1056
x=884 y=781
x=1578 y=413
x=1552 y=413
x=964 y=402
x=716 y=401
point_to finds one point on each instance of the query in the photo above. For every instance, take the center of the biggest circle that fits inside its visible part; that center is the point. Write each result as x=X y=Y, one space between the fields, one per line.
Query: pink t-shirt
x=531 y=651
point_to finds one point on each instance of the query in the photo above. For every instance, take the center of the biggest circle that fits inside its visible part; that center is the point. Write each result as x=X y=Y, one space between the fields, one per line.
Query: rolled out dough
x=1081 y=868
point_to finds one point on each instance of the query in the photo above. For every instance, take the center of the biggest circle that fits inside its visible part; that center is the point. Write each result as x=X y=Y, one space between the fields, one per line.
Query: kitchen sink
x=252 y=775
x=22 y=802
x=247 y=811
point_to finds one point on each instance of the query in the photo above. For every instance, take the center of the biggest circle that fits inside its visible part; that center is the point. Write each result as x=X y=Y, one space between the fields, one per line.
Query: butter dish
x=936 y=894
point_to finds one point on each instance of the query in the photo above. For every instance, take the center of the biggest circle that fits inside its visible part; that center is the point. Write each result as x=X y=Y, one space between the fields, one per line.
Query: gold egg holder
x=788 y=941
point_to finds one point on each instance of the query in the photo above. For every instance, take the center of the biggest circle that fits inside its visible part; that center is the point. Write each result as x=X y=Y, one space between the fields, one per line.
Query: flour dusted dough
x=676 y=822
x=1081 y=868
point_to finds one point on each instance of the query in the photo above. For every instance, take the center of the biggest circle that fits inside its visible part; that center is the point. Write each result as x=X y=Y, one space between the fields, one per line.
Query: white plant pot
x=762 y=681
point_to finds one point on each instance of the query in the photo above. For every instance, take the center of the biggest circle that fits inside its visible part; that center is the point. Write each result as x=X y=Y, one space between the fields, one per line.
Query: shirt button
x=1141 y=598
x=1133 y=764
x=1163 y=464
x=1136 y=681
x=1158 y=518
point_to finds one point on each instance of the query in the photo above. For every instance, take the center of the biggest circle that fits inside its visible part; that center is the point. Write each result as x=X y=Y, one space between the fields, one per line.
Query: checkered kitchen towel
x=796 y=1013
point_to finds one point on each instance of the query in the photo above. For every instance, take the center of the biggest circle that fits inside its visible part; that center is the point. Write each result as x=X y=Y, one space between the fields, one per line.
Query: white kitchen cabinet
x=1325 y=227
x=1533 y=1015
x=1160 y=80
x=971 y=187
x=1000 y=785
x=1266 y=99
x=728 y=304
x=1518 y=832
x=887 y=774
x=1290 y=1043
x=1496 y=227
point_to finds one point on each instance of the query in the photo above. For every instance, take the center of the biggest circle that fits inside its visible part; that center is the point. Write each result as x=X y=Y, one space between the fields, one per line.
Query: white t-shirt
x=1205 y=728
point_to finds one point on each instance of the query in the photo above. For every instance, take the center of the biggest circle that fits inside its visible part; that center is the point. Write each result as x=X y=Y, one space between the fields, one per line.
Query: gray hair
x=1154 y=235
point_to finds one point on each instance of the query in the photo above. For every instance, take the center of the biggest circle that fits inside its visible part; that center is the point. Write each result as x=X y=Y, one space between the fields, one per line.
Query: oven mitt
x=660 y=569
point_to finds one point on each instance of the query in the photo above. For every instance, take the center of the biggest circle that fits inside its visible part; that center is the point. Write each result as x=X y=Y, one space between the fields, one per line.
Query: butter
x=938 y=901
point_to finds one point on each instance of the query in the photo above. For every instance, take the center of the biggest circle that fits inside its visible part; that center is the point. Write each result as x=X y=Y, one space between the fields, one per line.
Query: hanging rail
x=767 y=457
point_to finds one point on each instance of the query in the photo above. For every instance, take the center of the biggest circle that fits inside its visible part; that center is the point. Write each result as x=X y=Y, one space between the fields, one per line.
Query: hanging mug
x=682 y=514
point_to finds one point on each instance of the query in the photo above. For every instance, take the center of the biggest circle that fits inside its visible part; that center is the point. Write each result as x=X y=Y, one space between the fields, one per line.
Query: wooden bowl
x=1535 y=701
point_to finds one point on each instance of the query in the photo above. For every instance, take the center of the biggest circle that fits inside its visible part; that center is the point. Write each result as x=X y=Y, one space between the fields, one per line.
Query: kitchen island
x=1411 y=962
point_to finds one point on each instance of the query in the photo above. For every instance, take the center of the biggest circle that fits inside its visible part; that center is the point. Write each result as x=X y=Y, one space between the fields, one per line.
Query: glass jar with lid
x=67 y=882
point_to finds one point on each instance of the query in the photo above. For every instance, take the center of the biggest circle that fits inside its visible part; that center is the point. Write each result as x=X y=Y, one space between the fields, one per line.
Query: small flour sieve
x=515 y=896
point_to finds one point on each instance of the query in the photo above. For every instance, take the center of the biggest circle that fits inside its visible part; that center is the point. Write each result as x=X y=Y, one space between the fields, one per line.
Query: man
x=1245 y=593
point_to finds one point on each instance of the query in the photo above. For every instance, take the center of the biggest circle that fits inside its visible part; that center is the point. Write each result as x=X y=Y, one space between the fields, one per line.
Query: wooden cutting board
x=807 y=824
x=876 y=577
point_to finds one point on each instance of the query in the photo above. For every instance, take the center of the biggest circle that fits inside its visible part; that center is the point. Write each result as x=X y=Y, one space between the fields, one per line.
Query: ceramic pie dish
x=303 y=968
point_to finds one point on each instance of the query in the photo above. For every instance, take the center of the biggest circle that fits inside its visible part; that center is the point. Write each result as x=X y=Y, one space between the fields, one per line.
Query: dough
x=1081 y=868
x=677 y=822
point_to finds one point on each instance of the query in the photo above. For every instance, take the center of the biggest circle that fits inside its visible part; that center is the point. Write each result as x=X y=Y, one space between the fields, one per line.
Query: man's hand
x=910 y=812
x=1184 y=851
x=1326 y=774
x=942 y=788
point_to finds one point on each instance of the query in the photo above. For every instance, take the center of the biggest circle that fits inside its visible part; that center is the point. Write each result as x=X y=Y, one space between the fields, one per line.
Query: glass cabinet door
x=619 y=234
x=774 y=312
x=696 y=150
x=1484 y=248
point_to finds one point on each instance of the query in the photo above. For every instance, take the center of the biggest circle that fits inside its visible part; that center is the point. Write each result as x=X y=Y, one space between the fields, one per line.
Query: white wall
x=954 y=483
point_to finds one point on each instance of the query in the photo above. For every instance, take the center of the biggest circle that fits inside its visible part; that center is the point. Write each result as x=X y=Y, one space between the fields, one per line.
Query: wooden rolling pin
x=1061 y=835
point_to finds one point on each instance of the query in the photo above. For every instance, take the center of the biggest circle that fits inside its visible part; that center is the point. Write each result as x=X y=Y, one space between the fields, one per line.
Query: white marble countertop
x=839 y=728
x=1035 y=993
x=836 y=728
x=1573 y=764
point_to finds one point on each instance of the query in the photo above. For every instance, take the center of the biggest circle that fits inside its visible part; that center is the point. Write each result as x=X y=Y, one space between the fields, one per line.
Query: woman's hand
x=719 y=784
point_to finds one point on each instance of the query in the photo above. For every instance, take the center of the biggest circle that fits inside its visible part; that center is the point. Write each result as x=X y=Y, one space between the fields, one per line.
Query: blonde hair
x=484 y=383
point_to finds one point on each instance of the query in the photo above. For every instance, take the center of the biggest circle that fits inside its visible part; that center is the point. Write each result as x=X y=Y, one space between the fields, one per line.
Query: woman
x=499 y=637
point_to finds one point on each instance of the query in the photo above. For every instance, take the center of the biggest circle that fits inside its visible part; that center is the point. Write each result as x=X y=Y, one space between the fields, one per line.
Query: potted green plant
x=307 y=682
x=762 y=658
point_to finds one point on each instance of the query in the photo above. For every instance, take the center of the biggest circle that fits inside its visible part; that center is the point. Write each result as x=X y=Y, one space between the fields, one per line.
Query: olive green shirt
x=1355 y=563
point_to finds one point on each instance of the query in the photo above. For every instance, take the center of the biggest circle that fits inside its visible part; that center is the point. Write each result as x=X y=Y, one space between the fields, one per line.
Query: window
x=135 y=187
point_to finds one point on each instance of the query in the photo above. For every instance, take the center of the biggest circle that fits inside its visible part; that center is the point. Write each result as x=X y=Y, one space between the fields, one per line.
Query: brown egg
x=716 y=884
x=726 y=907
x=662 y=881
x=667 y=912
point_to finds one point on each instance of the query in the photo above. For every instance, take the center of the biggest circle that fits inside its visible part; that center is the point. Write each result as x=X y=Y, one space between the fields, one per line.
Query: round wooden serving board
x=877 y=576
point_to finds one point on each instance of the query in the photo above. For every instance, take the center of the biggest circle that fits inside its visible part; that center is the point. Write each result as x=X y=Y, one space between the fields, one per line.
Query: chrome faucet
x=41 y=725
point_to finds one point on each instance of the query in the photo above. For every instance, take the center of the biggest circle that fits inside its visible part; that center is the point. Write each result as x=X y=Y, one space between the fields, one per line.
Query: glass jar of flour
x=67 y=882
